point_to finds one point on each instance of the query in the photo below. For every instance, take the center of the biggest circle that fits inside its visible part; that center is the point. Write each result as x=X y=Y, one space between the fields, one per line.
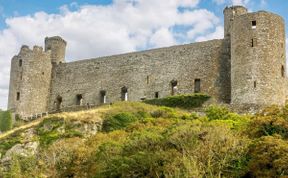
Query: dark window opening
x=18 y=96
x=103 y=96
x=42 y=73
x=282 y=71
x=58 y=102
x=156 y=94
x=174 y=88
x=254 y=23
x=255 y=84
x=253 y=42
x=21 y=76
x=197 y=85
x=124 y=94
x=20 y=63
x=148 y=79
x=79 y=99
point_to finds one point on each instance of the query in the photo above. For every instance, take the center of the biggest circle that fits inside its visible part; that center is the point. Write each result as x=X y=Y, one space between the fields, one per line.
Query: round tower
x=258 y=60
x=230 y=13
x=57 y=46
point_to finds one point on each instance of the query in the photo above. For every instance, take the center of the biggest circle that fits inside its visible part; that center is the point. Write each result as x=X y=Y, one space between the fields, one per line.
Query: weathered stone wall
x=247 y=67
x=31 y=80
x=57 y=47
x=230 y=13
x=144 y=73
x=256 y=72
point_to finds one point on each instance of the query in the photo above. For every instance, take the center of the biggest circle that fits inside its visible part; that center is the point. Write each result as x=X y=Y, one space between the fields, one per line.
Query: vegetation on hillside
x=141 y=140
x=5 y=121
x=182 y=101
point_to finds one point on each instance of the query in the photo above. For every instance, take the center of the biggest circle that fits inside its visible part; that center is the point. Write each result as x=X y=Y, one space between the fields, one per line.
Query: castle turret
x=30 y=79
x=258 y=60
x=57 y=46
x=230 y=13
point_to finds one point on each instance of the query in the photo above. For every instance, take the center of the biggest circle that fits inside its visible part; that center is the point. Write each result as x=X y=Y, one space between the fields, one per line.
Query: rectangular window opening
x=254 y=24
x=157 y=94
x=148 y=79
x=79 y=100
x=20 y=63
x=18 y=96
x=103 y=96
x=197 y=85
x=255 y=84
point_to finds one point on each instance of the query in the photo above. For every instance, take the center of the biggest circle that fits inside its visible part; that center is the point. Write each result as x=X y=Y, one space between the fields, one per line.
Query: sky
x=96 y=28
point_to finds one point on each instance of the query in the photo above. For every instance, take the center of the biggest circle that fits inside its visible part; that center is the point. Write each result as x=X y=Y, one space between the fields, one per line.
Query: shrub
x=268 y=125
x=269 y=157
x=5 y=121
x=118 y=121
x=216 y=112
x=181 y=101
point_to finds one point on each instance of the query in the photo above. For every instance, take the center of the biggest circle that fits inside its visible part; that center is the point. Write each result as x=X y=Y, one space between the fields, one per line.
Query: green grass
x=181 y=101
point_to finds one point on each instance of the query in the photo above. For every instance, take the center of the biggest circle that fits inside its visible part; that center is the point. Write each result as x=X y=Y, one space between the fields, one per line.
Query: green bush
x=268 y=157
x=118 y=121
x=181 y=101
x=5 y=121
x=216 y=113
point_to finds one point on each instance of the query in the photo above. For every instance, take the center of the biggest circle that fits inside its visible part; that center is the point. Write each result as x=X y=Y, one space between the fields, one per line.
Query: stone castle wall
x=246 y=68
x=144 y=74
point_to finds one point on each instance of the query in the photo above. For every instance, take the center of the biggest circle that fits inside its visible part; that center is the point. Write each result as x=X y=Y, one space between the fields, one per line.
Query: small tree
x=5 y=121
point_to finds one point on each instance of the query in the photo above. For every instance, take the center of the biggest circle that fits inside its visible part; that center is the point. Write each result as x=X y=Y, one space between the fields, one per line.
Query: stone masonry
x=245 y=69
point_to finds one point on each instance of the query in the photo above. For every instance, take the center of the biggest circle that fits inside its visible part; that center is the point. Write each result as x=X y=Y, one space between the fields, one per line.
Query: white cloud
x=95 y=30
x=240 y=2
x=217 y=34
x=162 y=37
x=234 y=2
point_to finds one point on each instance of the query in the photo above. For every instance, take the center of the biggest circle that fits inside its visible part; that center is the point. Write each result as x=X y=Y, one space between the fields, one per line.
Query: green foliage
x=272 y=120
x=6 y=144
x=5 y=121
x=141 y=140
x=220 y=114
x=118 y=121
x=269 y=157
x=52 y=129
x=181 y=101
x=217 y=113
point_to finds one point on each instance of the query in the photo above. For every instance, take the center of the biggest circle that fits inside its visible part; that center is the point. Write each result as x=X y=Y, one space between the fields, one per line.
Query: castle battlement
x=245 y=69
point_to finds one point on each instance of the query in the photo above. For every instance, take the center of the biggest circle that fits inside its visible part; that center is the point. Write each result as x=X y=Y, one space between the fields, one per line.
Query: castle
x=245 y=69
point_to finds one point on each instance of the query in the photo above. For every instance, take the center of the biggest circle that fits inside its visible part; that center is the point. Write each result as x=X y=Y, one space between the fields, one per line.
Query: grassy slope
x=141 y=140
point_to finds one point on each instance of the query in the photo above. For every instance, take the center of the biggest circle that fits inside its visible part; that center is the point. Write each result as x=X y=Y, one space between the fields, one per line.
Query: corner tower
x=30 y=79
x=57 y=46
x=258 y=60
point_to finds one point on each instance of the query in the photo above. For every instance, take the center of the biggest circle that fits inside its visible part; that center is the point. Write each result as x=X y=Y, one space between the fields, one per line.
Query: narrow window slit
x=18 y=96
x=197 y=85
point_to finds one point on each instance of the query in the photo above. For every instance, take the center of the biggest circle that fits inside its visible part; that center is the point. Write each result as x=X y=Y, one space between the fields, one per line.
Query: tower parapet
x=57 y=46
x=230 y=13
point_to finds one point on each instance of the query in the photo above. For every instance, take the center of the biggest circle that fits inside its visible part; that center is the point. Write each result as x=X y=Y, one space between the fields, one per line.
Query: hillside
x=132 y=139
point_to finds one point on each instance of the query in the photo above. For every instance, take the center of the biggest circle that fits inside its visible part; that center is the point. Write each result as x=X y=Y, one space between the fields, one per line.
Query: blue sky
x=95 y=28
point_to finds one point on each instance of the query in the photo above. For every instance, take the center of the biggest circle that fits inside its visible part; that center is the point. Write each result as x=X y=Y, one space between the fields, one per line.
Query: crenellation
x=246 y=69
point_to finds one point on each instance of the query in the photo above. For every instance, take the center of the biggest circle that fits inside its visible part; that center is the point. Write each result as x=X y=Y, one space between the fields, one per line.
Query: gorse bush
x=181 y=101
x=5 y=121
